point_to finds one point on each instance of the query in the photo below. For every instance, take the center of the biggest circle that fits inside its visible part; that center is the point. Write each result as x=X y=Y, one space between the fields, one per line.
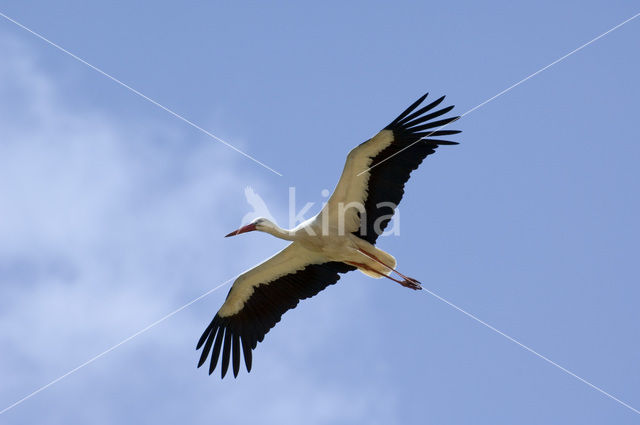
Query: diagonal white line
x=114 y=79
x=525 y=347
x=532 y=351
x=511 y=87
x=124 y=341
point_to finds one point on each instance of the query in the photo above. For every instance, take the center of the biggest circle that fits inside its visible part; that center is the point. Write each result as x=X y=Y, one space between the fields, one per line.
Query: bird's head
x=259 y=223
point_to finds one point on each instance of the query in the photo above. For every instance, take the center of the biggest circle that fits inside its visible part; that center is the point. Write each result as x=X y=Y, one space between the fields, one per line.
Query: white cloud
x=100 y=223
x=106 y=226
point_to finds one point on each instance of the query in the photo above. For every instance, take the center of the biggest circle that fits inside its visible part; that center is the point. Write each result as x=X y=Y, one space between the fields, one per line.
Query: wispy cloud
x=101 y=224
x=105 y=226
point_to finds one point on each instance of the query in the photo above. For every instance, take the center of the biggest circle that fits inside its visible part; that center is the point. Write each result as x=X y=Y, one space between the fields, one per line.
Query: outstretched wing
x=258 y=299
x=372 y=182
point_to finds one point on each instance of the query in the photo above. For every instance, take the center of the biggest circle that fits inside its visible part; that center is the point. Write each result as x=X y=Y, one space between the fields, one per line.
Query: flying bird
x=341 y=238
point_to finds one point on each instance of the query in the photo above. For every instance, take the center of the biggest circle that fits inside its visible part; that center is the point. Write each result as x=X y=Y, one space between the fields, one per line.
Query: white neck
x=279 y=232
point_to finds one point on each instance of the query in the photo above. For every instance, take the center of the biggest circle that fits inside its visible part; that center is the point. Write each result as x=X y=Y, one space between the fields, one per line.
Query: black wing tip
x=407 y=111
x=246 y=349
x=204 y=337
x=201 y=361
x=201 y=341
x=434 y=128
x=213 y=332
x=227 y=348
x=410 y=118
x=421 y=98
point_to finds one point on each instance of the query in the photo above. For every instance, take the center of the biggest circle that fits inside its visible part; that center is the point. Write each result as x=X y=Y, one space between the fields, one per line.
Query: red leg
x=413 y=284
x=377 y=260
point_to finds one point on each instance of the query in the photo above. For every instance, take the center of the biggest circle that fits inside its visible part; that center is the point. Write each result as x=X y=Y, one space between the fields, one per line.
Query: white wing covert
x=374 y=175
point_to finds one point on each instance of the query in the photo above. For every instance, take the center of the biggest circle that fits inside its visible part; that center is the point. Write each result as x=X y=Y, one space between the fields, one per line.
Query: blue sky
x=112 y=211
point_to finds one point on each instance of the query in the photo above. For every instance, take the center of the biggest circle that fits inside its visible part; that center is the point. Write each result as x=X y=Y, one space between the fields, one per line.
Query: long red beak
x=245 y=229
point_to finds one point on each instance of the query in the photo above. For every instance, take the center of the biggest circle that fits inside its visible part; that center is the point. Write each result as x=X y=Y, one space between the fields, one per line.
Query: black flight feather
x=262 y=310
x=226 y=352
x=391 y=168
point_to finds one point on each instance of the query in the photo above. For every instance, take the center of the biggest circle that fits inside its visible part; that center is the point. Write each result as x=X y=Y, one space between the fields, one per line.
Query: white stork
x=339 y=239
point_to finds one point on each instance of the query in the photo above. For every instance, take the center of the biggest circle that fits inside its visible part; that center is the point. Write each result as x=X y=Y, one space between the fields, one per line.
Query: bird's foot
x=411 y=283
